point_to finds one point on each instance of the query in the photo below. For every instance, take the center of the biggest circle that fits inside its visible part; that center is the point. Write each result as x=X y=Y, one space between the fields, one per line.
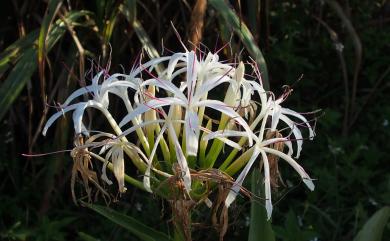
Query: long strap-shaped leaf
x=52 y=9
x=231 y=18
x=260 y=229
x=129 y=9
x=26 y=66
x=134 y=226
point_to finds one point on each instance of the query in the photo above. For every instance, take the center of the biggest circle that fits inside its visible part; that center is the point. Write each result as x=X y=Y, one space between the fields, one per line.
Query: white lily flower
x=191 y=101
x=244 y=89
x=260 y=148
x=184 y=90
x=279 y=113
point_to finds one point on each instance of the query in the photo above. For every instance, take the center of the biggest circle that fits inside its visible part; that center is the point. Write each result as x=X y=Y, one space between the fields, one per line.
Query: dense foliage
x=334 y=54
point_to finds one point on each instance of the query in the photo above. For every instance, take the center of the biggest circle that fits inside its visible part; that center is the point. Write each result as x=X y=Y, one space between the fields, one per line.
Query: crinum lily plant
x=192 y=123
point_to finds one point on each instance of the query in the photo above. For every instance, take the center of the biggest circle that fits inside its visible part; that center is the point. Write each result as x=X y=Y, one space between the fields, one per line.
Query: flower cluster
x=187 y=117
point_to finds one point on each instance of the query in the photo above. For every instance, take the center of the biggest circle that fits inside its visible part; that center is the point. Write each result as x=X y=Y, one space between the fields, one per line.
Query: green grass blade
x=129 y=10
x=26 y=66
x=231 y=18
x=17 y=79
x=52 y=9
x=374 y=227
x=131 y=224
x=13 y=52
x=260 y=229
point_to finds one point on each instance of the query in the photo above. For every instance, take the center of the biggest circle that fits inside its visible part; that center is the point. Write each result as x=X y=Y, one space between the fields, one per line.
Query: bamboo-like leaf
x=373 y=228
x=13 y=52
x=16 y=80
x=52 y=9
x=129 y=10
x=109 y=25
x=239 y=27
x=260 y=229
x=26 y=66
x=133 y=225
x=253 y=12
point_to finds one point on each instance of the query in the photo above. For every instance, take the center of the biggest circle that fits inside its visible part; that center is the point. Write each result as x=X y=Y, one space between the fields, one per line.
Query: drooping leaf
x=373 y=228
x=133 y=225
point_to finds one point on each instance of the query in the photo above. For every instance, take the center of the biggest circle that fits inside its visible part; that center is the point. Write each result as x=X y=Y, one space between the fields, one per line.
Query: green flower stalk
x=184 y=118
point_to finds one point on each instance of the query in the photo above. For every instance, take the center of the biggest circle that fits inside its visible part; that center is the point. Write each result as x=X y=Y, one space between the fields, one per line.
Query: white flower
x=178 y=97
x=279 y=113
x=260 y=148
x=191 y=100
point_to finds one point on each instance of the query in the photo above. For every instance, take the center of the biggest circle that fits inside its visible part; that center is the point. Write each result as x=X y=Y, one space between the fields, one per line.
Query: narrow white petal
x=152 y=62
x=192 y=132
x=209 y=85
x=173 y=63
x=150 y=160
x=301 y=117
x=267 y=185
x=77 y=93
x=119 y=168
x=54 y=117
x=155 y=103
x=79 y=112
x=105 y=148
x=78 y=118
x=221 y=107
x=297 y=133
x=104 y=173
x=166 y=85
x=191 y=73
x=225 y=133
x=235 y=189
x=142 y=124
x=275 y=114
x=290 y=148
x=305 y=177
x=181 y=159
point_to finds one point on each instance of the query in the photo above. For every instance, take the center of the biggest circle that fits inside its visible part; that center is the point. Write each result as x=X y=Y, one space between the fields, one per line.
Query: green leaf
x=26 y=66
x=129 y=10
x=134 y=226
x=87 y=237
x=16 y=80
x=373 y=228
x=260 y=229
x=239 y=27
x=13 y=52
x=52 y=8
